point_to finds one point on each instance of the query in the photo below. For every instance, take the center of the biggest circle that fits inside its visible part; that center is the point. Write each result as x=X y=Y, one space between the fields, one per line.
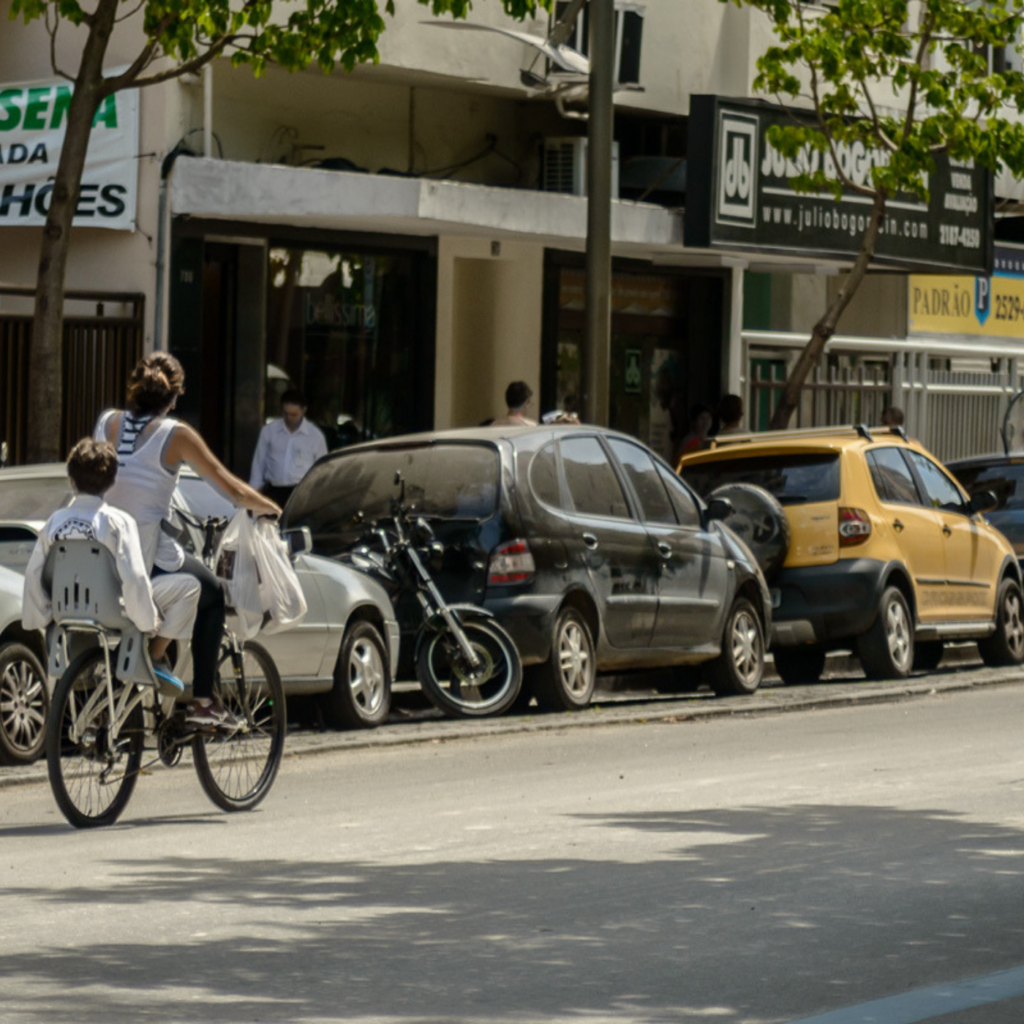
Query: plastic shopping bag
x=236 y=566
x=281 y=593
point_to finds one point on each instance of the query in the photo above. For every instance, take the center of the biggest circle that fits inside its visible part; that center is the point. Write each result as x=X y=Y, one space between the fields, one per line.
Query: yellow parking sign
x=983 y=306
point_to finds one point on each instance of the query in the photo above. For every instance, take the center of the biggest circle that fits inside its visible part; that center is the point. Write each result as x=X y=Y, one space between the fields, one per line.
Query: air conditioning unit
x=564 y=166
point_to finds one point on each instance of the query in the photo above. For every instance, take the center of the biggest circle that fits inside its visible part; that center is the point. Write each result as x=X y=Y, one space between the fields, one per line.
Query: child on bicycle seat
x=164 y=607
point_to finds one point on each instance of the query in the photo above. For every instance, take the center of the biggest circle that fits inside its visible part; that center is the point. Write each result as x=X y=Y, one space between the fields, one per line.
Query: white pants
x=176 y=595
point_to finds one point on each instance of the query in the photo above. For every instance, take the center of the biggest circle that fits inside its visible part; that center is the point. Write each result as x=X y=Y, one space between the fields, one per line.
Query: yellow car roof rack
x=860 y=429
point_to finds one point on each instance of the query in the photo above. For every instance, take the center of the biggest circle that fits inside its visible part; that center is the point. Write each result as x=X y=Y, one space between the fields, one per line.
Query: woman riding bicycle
x=151 y=448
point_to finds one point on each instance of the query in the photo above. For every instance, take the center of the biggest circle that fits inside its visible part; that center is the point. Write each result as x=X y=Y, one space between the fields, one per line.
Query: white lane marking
x=928 y=1003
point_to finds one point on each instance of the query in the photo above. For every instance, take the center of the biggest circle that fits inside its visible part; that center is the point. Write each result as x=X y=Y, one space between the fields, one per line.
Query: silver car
x=345 y=649
x=24 y=693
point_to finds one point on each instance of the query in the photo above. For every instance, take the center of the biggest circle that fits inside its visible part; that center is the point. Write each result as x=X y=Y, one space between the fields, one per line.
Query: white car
x=24 y=693
x=345 y=649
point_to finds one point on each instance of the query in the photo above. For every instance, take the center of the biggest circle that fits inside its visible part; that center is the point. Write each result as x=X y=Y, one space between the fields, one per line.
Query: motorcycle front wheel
x=454 y=686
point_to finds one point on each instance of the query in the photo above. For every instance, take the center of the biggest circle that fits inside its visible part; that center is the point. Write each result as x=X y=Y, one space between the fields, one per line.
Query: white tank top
x=145 y=486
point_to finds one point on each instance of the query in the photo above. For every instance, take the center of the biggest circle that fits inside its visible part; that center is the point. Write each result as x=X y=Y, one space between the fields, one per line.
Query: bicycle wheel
x=237 y=768
x=92 y=772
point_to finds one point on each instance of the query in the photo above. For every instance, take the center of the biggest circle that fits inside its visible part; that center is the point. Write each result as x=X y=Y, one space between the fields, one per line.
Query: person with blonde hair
x=151 y=448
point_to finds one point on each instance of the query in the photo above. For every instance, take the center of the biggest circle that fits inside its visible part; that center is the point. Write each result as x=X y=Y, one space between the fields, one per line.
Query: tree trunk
x=826 y=326
x=45 y=375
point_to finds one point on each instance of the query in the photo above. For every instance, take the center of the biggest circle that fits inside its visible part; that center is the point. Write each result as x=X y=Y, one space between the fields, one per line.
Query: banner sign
x=33 y=120
x=739 y=197
x=982 y=306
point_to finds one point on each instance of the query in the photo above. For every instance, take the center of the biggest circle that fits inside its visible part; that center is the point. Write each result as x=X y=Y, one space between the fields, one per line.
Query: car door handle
x=897 y=525
x=590 y=540
x=665 y=549
x=946 y=530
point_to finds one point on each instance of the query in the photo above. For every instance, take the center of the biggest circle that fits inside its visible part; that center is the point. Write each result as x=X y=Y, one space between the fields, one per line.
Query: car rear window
x=1004 y=480
x=33 y=499
x=338 y=498
x=793 y=478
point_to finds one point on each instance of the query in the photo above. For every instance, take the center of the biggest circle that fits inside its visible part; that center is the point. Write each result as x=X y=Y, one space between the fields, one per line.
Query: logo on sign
x=982 y=298
x=737 y=166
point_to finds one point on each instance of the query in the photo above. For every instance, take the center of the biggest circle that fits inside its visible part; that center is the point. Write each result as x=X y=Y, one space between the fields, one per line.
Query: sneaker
x=210 y=716
x=169 y=684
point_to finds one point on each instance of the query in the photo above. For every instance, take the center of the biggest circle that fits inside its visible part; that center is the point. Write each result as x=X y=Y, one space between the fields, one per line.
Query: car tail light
x=511 y=563
x=854 y=526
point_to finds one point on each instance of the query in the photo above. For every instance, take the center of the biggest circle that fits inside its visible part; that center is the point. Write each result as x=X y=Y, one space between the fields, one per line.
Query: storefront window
x=342 y=328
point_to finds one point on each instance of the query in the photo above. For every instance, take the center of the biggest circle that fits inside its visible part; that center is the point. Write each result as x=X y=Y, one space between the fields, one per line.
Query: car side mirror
x=983 y=501
x=720 y=508
x=298 y=539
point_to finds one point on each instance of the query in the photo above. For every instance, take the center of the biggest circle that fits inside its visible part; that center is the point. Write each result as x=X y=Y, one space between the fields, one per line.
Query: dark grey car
x=1003 y=475
x=592 y=553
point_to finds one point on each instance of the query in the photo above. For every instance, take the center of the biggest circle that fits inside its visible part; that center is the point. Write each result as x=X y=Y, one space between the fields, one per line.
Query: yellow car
x=885 y=551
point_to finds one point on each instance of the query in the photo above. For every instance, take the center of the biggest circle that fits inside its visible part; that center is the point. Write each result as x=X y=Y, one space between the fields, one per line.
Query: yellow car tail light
x=854 y=526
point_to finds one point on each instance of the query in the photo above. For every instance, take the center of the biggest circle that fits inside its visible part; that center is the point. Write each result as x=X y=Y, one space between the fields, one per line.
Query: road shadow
x=681 y=917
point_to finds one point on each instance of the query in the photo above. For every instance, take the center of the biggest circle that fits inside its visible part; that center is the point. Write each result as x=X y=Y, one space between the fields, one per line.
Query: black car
x=591 y=552
x=1003 y=475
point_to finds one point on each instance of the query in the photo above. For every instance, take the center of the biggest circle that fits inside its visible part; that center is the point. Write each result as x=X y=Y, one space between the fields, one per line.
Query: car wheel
x=886 y=650
x=361 y=695
x=24 y=704
x=927 y=655
x=1006 y=645
x=799 y=666
x=738 y=670
x=566 y=681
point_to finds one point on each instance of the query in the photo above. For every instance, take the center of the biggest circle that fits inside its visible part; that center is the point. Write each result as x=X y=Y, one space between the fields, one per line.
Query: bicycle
x=107 y=710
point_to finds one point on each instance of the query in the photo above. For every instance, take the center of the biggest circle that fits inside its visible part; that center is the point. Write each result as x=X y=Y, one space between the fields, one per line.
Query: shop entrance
x=353 y=332
x=666 y=348
x=351 y=328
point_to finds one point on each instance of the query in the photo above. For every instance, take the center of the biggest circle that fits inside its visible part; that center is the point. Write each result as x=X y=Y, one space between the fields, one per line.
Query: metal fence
x=953 y=412
x=99 y=353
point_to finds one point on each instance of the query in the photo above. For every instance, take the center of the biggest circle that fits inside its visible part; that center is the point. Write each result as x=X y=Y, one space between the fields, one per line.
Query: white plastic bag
x=280 y=590
x=236 y=566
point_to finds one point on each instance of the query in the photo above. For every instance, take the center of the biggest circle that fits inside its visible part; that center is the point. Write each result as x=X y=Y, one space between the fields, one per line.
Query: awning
x=346 y=201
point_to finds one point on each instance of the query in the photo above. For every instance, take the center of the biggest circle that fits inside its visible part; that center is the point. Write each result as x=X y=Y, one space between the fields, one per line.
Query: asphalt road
x=731 y=865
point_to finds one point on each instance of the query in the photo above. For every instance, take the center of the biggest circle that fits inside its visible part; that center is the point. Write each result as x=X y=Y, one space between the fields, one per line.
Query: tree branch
x=52 y=30
x=195 y=64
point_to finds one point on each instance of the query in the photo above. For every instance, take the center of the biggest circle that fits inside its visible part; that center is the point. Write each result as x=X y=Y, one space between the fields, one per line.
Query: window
x=655 y=506
x=340 y=497
x=793 y=479
x=686 y=508
x=593 y=486
x=544 y=476
x=940 y=491
x=892 y=477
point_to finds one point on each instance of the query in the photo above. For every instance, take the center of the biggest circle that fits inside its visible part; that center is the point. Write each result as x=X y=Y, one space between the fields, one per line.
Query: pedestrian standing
x=287 y=449
x=518 y=396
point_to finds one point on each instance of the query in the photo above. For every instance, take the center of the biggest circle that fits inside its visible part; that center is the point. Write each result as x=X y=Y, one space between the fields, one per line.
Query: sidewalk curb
x=771 y=700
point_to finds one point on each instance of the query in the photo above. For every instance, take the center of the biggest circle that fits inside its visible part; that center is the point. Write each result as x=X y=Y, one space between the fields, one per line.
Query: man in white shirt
x=165 y=607
x=286 y=450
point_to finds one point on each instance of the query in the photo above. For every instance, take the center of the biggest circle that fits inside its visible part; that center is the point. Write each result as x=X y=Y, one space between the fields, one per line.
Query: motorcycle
x=466 y=663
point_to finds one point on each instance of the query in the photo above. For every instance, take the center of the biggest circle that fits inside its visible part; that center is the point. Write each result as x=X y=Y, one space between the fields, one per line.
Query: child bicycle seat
x=85 y=592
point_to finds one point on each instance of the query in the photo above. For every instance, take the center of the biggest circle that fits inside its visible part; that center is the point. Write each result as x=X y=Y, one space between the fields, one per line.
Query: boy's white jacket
x=90 y=518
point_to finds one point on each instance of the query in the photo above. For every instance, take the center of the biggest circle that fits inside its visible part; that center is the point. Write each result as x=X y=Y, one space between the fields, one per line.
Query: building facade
x=402 y=241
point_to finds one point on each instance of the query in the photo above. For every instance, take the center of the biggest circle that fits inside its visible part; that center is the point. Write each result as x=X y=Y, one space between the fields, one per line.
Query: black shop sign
x=739 y=198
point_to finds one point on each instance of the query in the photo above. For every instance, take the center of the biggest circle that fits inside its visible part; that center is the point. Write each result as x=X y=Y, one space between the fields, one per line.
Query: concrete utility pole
x=600 y=130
